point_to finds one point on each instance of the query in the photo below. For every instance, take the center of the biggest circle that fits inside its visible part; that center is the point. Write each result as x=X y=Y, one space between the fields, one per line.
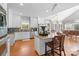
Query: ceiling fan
x=53 y=7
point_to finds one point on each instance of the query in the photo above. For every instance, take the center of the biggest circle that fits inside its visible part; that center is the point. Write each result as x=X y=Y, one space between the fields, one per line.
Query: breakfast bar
x=39 y=43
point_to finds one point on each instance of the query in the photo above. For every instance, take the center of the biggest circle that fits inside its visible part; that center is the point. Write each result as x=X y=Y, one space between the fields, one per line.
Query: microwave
x=2 y=17
x=3 y=25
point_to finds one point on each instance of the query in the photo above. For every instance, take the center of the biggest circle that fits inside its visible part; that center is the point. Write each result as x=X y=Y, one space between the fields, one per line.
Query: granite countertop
x=3 y=36
x=23 y=30
x=12 y=30
x=42 y=37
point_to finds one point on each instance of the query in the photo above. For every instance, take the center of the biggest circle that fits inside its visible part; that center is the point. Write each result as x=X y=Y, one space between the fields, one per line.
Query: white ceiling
x=72 y=18
x=39 y=9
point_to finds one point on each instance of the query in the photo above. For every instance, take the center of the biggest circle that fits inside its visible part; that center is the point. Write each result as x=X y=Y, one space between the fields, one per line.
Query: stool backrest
x=59 y=40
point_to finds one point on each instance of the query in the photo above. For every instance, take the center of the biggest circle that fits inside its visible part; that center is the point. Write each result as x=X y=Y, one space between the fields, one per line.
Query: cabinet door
x=36 y=44
x=25 y=35
x=16 y=21
x=18 y=35
x=4 y=5
x=13 y=19
x=22 y=35
x=11 y=39
x=39 y=45
x=42 y=47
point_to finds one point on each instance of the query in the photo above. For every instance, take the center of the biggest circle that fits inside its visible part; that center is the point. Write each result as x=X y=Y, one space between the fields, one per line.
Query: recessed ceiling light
x=21 y=13
x=46 y=10
x=21 y=4
x=38 y=16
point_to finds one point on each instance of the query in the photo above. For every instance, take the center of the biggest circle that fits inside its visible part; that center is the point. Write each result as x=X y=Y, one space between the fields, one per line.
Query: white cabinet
x=11 y=37
x=33 y=22
x=4 y=5
x=39 y=45
x=3 y=41
x=22 y=35
x=14 y=20
x=18 y=35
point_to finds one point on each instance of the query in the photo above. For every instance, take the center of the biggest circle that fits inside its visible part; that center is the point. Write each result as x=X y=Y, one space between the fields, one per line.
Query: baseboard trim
x=36 y=53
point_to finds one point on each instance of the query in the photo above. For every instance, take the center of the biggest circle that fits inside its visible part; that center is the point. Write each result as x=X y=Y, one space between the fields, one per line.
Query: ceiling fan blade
x=54 y=7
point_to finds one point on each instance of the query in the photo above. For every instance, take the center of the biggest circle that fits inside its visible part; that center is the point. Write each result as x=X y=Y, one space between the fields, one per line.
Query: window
x=25 y=25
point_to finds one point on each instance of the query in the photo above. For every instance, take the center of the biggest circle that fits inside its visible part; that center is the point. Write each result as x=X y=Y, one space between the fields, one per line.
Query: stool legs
x=45 y=49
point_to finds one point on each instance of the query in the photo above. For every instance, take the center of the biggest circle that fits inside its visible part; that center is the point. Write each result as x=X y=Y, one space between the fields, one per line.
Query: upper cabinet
x=13 y=19
x=33 y=22
x=4 y=5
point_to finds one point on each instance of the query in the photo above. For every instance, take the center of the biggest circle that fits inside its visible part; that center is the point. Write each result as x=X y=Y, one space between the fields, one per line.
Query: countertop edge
x=3 y=36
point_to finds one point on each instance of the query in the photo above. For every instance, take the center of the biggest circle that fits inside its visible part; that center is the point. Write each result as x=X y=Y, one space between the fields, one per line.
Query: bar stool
x=56 y=45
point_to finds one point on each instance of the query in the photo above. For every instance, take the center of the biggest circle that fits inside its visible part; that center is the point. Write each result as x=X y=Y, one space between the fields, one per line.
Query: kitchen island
x=39 y=43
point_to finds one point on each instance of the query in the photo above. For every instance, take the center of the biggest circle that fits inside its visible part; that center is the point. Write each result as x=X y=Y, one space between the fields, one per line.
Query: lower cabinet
x=3 y=46
x=11 y=37
x=22 y=35
x=39 y=45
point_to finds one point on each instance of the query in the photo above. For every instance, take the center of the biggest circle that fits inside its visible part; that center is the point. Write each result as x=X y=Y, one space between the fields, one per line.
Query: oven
x=3 y=31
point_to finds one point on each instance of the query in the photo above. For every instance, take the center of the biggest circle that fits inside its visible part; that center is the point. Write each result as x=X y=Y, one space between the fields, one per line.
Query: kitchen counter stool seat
x=56 y=45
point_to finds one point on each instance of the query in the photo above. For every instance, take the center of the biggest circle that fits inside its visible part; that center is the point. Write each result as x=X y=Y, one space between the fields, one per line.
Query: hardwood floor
x=26 y=48
x=71 y=45
x=2 y=48
x=23 y=48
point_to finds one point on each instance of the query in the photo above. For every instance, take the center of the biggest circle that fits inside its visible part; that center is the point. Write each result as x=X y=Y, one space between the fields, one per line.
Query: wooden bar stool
x=56 y=45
